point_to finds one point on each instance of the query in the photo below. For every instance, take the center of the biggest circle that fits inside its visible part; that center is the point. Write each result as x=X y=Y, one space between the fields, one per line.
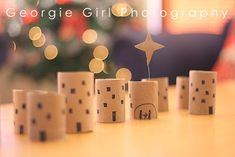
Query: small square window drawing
x=105 y=105
x=72 y=90
x=108 y=89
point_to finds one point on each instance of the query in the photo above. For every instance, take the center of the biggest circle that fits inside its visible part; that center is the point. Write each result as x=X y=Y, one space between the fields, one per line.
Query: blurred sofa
x=182 y=52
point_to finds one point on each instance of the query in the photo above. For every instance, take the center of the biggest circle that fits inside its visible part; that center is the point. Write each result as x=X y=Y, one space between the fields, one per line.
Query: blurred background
x=33 y=49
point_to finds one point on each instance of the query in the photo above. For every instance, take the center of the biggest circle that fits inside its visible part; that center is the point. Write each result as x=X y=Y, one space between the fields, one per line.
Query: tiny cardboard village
x=46 y=116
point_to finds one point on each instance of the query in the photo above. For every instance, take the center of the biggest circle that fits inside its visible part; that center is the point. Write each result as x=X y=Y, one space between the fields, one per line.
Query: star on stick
x=149 y=47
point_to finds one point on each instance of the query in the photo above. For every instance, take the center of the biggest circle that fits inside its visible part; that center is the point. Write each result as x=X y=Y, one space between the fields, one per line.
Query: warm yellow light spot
x=101 y=52
x=124 y=73
x=96 y=66
x=89 y=36
x=35 y=33
x=40 y=42
x=121 y=9
x=51 y=52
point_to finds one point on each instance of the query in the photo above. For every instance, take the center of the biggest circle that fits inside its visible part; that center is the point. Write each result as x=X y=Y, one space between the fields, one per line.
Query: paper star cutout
x=149 y=47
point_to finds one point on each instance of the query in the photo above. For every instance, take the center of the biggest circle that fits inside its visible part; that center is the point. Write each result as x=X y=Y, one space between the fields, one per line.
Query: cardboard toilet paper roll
x=46 y=116
x=78 y=87
x=202 y=92
x=156 y=82
x=182 y=92
x=162 y=93
x=110 y=100
x=20 y=111
x=143 y=99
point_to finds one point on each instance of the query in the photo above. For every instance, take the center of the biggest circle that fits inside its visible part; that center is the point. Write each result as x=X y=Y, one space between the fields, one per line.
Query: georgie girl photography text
x=104 y=13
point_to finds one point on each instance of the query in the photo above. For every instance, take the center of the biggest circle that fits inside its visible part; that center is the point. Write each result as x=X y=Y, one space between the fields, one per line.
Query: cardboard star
x=149 y=47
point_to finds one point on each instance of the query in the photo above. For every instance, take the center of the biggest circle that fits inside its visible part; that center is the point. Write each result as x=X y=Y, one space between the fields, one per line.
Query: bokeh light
x=51 y=52
x=40 y=42
x=101 y=52
x=124 y=73
x=35 y=33
x=14 y=28
x=89 y=36
x=121 y=9
x=96 y=66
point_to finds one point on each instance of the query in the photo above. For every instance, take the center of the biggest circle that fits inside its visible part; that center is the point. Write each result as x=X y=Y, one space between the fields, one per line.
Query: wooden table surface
x=175 y=133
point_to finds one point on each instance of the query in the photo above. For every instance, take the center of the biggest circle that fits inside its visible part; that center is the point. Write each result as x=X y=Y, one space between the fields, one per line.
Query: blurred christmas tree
x=75 y=43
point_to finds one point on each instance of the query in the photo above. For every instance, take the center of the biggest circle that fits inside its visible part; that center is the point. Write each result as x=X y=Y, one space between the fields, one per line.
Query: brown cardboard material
x=78 y=87
x=182 y=92
x=143 y=99
x=202 y=92
x=46 y=116
x=20 y=111
x=162 y=93
x=110 y=100
x=149 y=47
